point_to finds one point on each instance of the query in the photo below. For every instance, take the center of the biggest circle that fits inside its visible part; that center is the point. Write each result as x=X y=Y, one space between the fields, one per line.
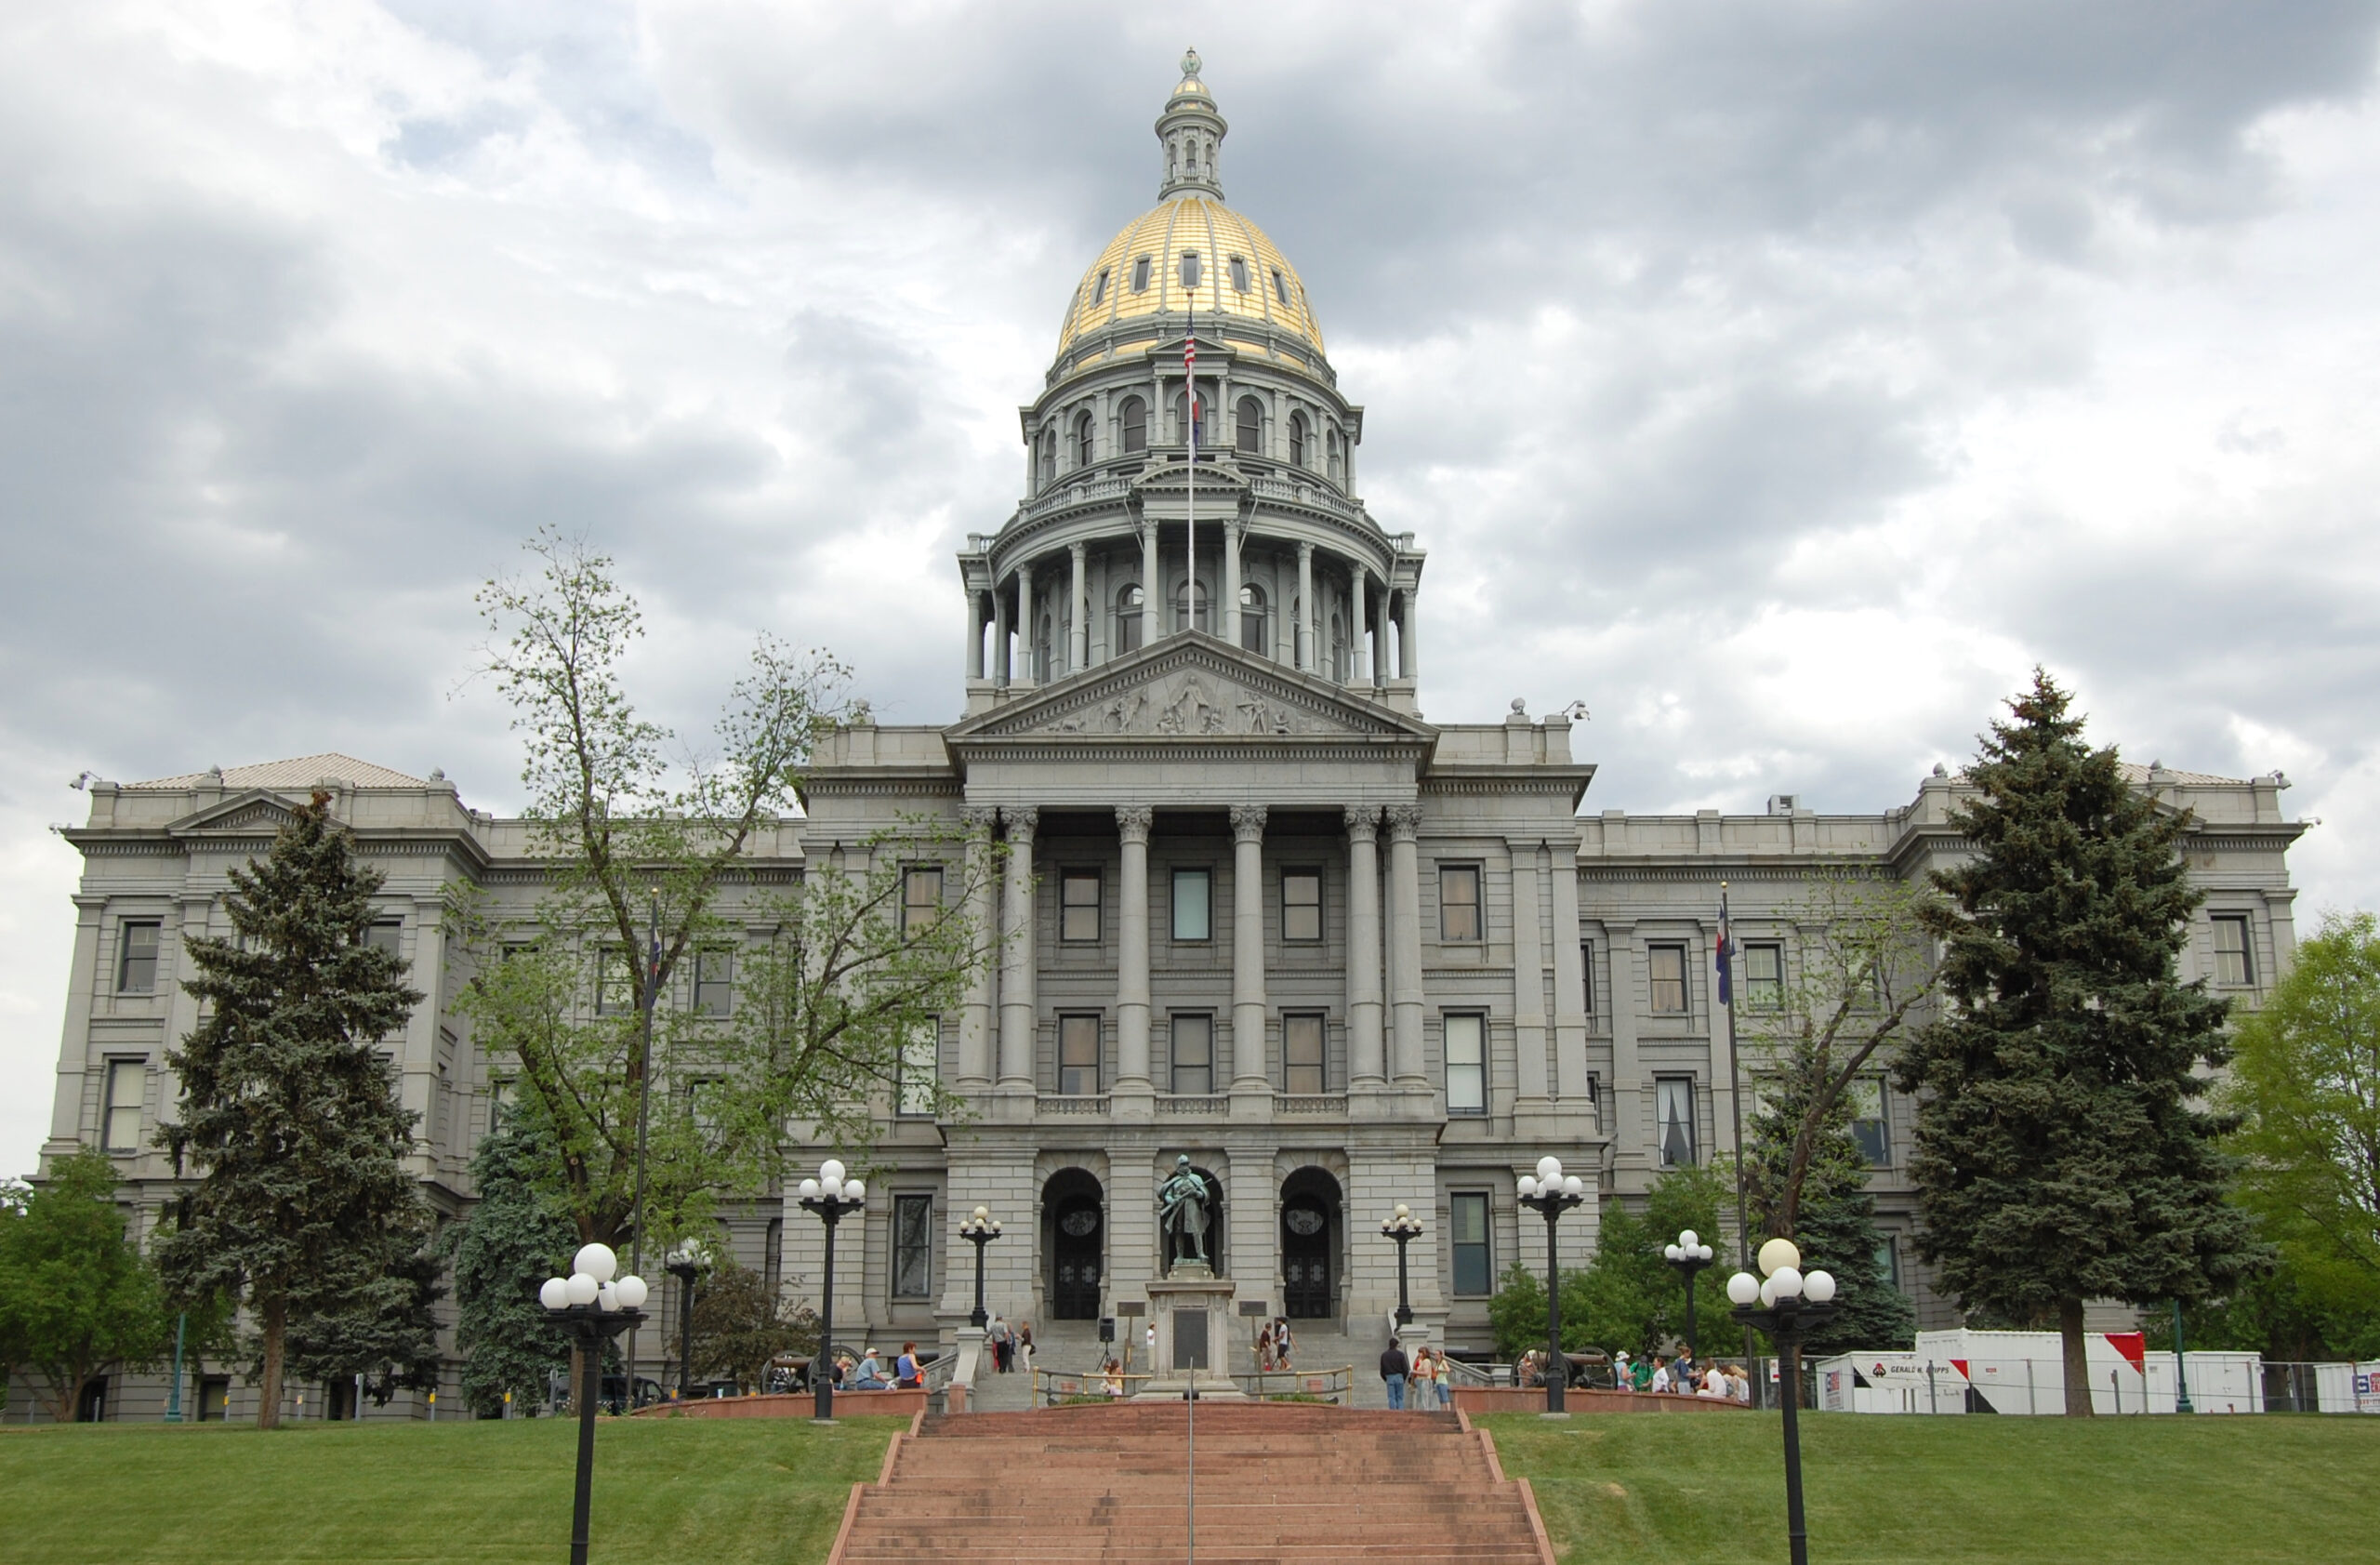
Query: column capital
x=979 y=817
x=1305 y=550
x=1404 y=822
x=1132 y=822
x=1248 y=823
x=1078 y=550
x=1021 y=820
x=1363 y=821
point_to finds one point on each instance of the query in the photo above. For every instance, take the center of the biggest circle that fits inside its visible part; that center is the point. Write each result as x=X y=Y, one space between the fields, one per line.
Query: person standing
x=1025 y=1344
x=1393 y=1369
x=1281 y=1343
x=1661 y=1381
x=999 y=1335
x=1265 y=1348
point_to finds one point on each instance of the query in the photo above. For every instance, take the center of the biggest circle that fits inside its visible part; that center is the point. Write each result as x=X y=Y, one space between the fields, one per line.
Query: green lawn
x=717 y=1492
x=1634 y=1488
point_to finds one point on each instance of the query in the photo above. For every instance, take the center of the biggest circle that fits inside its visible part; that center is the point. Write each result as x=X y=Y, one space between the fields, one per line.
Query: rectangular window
x=127 y=1084
x=921 y=898
x=714 y=982
x=921 y=1068
x=1302 y=904
x=702 y=1101
x=385 y=934
x=1587 y=974
x=1466 y=1037
x=2233 y=963
x=501 y=1091
x=1474 y=1270
x=1302 y=1057
x=912 y=1247
x=614 y=982
x=1079 y=1056
x=1194 y=1054
x=136 y=963
x=1458 y=902
x=1667 y=966
x=1192 y=905
x=1674 y=1118
x=1079 y=907
x=1765 y=977
x=1869 y=1127
x=1888 y=1259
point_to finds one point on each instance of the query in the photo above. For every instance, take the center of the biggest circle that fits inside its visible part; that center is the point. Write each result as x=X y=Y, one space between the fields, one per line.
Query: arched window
x=1253 y=633
x=1128 y=619
x=1141 y=276
x=1099 y=290
x=1134 y=417
x=1082 y=441
x=1181 y=422
x=1252 y=426
x=1331 y=444
x=1238 y=276
x=1182 y=607
x=1049 y=457
x=1297 y=439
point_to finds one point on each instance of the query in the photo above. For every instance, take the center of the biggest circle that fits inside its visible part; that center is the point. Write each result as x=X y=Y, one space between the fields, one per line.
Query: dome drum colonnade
x=1093 y=563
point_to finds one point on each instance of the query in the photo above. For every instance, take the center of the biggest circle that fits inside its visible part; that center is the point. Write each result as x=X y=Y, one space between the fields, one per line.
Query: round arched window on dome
x=1133 y=420
x=1252 y=426
x=1297 y=438
x=1254 y=631
x=1130 y=604
x=1182 y=607
x=1082 y=440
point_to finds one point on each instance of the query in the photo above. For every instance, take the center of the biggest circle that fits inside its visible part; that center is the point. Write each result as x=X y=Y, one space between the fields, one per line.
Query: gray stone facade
x=1259 y=910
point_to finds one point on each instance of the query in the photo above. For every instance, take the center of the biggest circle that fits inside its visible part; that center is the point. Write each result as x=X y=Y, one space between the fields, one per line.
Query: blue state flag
x=1726 y=954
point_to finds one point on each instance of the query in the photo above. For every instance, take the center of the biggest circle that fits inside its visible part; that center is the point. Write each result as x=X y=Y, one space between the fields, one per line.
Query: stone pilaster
x=1133 y=1088
x=1250 y=1079
x=976 y=1011
x=1019 y=1011
x=1367 y=1066
x=1405 y=946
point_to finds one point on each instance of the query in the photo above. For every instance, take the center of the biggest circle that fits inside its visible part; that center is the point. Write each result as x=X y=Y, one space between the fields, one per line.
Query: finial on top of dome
x=1193 y=133
x=1190 y=63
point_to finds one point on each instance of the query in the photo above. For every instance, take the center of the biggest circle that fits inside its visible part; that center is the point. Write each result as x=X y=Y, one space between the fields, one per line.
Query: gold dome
x=1273 y=295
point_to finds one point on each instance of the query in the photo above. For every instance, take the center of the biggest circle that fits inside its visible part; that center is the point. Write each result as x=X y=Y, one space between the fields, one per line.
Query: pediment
x=1192 y=686
x=246 y=812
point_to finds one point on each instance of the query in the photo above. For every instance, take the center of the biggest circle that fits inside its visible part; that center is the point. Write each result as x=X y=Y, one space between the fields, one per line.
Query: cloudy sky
x=1784 y=380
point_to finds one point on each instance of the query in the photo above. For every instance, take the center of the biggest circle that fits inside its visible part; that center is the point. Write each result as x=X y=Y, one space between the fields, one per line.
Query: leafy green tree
x=1516 y=1312
x=2061 y=1152
x=636 y=846
x=1626 y=1296
x=741 y=1323
x=77 y=1298
x=303 y=1208
x=517 y=1237
x=2305 y=1082
x=1792 y=1136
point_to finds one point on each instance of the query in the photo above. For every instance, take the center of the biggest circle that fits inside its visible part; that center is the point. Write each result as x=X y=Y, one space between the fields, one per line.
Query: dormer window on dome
x=1280 y=288
x=1190 y=269
x=1099 y=290
x=1238 y=274
x=1141 y=276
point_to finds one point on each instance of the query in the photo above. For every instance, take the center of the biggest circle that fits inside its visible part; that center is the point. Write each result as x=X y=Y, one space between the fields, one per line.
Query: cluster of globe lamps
x=1785 y=1286
x=593 y=1281
x=831 y=1185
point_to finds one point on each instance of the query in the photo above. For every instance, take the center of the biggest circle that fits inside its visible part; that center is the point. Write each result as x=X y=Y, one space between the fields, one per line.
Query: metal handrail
x=1338 y=1384
x=1083 y=1386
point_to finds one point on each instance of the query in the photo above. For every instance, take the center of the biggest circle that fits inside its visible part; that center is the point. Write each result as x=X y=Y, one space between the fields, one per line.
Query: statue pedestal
x=1194 y=1322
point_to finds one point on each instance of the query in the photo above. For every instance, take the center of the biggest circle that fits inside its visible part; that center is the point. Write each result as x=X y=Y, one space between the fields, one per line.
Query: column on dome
x=1248 y=946
x=1305 y=607
x=1023 y=623
x=999 y=636
x=1228 y=625
x=1405 y=944
x=976 y=1011
x=1132 y=823
x=1019 y=1017
x=1359 y=659
x=1529 y=976
x=975 y=634
x=1365 y=1065
x=1151 y=585
x=1411 y=640
x=1078 y=612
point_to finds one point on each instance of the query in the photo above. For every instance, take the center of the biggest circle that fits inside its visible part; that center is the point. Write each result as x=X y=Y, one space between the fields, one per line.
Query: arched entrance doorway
x=1074 y=1239
x=1313 y=1234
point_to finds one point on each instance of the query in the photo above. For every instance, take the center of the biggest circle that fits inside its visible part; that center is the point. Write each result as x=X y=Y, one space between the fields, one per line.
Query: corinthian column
x=1365 y=1065
x=975 y=1015
x=1079 y=614
x=1248 y=944
x=1132 y=948
x=1017 y=975
x=1405 y=945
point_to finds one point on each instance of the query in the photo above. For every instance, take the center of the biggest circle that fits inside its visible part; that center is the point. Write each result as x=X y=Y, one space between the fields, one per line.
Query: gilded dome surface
x=1263 y=288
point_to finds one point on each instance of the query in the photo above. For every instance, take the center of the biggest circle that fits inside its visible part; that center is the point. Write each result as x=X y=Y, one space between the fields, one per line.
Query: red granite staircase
x=1276 y=1482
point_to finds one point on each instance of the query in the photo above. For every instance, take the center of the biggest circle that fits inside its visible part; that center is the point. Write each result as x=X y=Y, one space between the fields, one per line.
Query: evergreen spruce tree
x=303 y=1208
x=1835 y=1225
x=2061 y=1155
x=518 y=1236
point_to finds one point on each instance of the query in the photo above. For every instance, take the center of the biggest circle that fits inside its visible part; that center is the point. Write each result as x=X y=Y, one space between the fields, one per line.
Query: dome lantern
x=1192 y=134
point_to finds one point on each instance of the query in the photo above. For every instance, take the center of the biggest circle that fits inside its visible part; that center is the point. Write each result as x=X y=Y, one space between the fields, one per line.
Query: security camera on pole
x=830 y=1195
x=594 y=1309
x=1786 y=1306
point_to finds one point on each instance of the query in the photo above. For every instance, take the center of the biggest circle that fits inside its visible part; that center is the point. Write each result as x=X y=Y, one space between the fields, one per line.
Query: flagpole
x=1190 y=498
x=1735 y=1079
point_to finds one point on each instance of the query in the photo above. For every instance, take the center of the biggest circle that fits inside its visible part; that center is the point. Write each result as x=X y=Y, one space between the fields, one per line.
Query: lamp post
x=1403 y=1228
x=979 y=1229
x=1786 y=1306
x=1689 y=1255
x=1551 y=1193
x=830 y=1195
x=594 y=1309
x=686 y=1262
